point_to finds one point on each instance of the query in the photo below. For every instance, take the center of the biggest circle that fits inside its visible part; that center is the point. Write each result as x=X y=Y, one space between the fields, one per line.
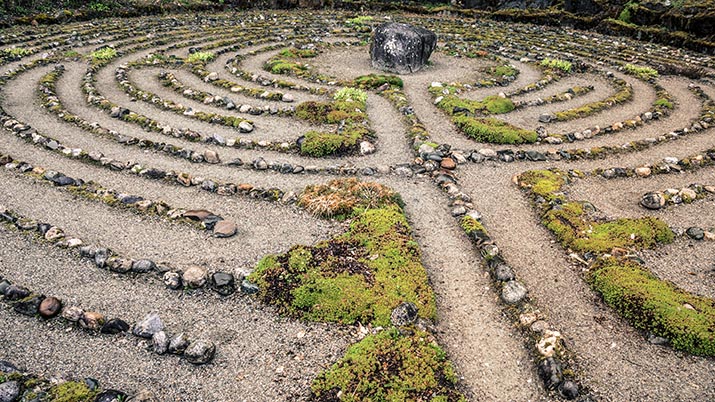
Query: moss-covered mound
x=357 y=277
x=658 y=306
x=343 y=198
x=390 y=366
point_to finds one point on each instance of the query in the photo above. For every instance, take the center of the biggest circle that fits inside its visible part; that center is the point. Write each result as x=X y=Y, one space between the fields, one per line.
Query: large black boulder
x=401 y=48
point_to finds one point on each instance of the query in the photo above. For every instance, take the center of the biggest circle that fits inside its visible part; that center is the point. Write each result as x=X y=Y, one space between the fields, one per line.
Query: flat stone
x=178 y=344
x=223 y=229
x=29 y=305
x=653 y=201
x=695 y=233
x=115 y=326
x=91 y=320
x=72 y=313
x=195 y=276
x=143 y=266
x=160 y=342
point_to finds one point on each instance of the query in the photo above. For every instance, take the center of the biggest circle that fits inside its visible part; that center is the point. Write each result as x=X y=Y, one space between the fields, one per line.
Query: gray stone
x=503 y=273
x=172 y=280
x=29 y=306
x=695 y=233
x=569 y=390
x=513 y=292
x=143 y=266
x=200 y=352
x=178 y=344
x=653 y=201
x=404 y=314
x=147 y=327
x=249 y=287
x=160 y=342
x=9 y=391
x=111 y=396
x=401 y=48
x=114 y=326
x=100 y=257
x=550 y=371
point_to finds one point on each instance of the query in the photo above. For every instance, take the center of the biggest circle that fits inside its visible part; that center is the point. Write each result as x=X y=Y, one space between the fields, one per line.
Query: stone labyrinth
x=239 y=207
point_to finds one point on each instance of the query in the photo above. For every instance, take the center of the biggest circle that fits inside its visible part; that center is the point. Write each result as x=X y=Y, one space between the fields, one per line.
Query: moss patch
x=493 y=131
x=71 y=391
x=657 y=306
x=344 y=198
x=357 y=277
x=373 y=81
x=390 y=366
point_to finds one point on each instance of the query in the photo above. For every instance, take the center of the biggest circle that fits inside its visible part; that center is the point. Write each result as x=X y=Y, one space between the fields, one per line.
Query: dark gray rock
x=143 y=266
x=200 y=352
x=223 y=283
x=111 y=395
x=100 y=257
x=569 y=390
x=147 y=327
x=7 y=367
x=114 y=326
x=14 y=292
x=695 y=233
x=29 y=305
x=401 y=48
x=653 y=201
x=249 y=287
x=404 y=314
x=550 y=372
x=9 y=391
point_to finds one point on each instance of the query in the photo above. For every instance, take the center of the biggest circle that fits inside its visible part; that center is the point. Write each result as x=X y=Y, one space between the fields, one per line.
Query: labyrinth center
x=241 y=207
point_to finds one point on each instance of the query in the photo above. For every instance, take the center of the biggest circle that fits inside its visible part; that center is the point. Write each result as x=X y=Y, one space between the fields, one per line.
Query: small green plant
x=15 y=52
x=200 y=57
x=503 y=71
x=373 y=81
x=662 y=102
x=103 y=54
x=626 y=14
x=558 y=64
x=641 y=72
x=98 y=6
x=361 y=20
x=351 y=95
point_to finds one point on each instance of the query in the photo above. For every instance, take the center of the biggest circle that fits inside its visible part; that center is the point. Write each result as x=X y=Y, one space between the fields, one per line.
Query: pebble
x=550 y=371
x=195 y=276
x=50 y=307
x=178 y=344
x=223 y=283
x=569 y=390
x=695 y=233
x=29 y=305
x=224 y=229
x=448 y=163
x=91 y=320
x=200 y=352
x=72 y=313
x=111 y=396
x=172 y=280
x=9 y=391
x=643 y=171
x=114 y=326
x=404 y=314
x=366 y=148
x=653 y=201
x=245 y=127
x=143 y=266
x=160 y=342
x=14 y=292
x=513 y=292
x=147 y=327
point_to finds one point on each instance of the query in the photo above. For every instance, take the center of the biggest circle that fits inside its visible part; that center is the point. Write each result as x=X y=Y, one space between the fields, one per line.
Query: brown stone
x=448 y=163
x=197 y=214
x=211 y=157
x=50 y=307
x=225 y=229
x=184 y=179
x=245 y=187
x=91 y=320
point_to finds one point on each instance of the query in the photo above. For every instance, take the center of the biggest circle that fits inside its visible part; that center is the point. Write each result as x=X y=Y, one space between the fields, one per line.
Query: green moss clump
x=471 y=225
x=71 y=391
x=558 y=64
x=373 y=81
x=662 y=102
x=360 y=276
x=294 y=53
x=498 y=105
x=573 y=229
x=542 y=182
x=351 y=94
x=641 y=72
x=493 y=131
x=390 y=366
x=359 y=20
x=314 y=112
x=200 y=57
x=320 y=144
x=657 y=306
x=104 y=54
x=503 y=71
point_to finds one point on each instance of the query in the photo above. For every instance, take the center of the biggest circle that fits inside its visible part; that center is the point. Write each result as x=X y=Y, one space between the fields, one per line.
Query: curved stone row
x=199 y=218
